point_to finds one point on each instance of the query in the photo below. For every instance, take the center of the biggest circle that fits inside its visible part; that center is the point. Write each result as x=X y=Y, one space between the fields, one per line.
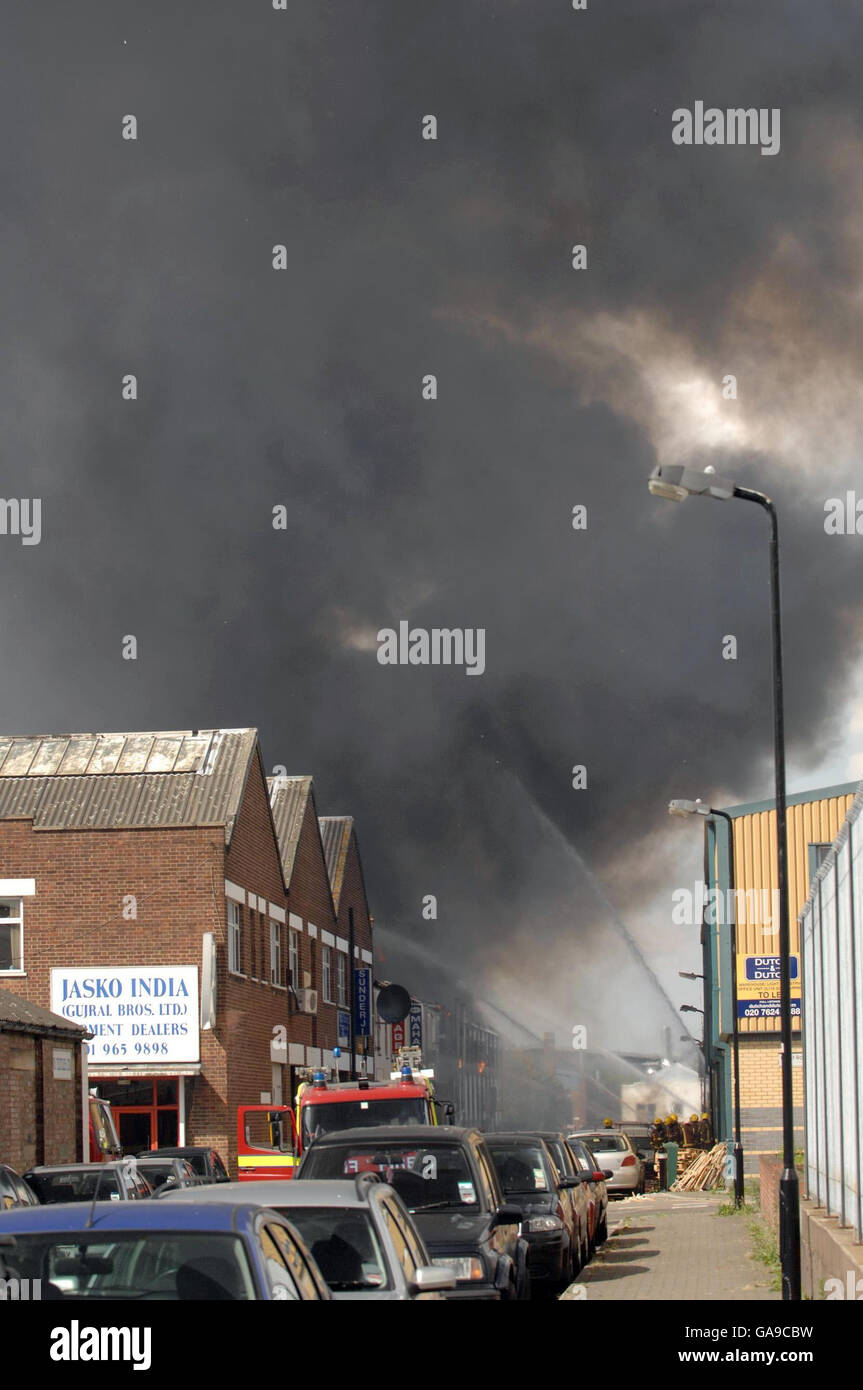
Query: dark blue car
x=157 y=1250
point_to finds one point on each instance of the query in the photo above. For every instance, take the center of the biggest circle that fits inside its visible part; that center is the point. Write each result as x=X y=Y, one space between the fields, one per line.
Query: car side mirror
x=607 y=1173
x=507 y=1216
x=432 y=1279
x=574 y=1180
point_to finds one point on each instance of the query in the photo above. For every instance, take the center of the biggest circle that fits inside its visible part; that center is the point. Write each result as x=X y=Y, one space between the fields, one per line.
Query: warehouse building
x=814 y=819
x=158 y=893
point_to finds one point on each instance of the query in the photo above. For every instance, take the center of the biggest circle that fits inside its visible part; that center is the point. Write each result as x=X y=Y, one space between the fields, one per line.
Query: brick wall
x=761 y=1098
x=40 y=1114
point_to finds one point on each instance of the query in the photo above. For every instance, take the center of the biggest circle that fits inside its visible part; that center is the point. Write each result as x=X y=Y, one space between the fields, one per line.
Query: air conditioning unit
x=307 y=1001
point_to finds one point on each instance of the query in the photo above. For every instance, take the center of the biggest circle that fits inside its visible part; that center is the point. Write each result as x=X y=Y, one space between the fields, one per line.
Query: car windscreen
x=75 y=1187
x=345 y=1245
x=360 y=1114
x=522 y=1167
x=165 y=1265
x=426 y=1177
x=607 y=1143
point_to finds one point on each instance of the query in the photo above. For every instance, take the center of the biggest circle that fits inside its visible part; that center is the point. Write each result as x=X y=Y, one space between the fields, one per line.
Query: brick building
x=154 y=892
x=41 y=1094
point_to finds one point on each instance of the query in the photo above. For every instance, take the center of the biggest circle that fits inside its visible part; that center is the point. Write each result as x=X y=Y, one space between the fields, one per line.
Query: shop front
x=145 y=1048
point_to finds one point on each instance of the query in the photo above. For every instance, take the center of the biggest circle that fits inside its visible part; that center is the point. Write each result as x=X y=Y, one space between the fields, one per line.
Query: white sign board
x=137 y=1013
x=62 y=1064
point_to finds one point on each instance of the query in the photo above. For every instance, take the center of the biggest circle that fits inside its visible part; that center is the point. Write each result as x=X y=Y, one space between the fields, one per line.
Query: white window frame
x=276 y=955
x=342 y=979
x=235 y=938
x=327 y=974
x=13 y=921
x=294 y=957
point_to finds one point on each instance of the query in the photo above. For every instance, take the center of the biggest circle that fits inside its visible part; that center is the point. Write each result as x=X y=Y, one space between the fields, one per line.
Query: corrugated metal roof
x=17 y=1013
x=336 y=834
x=118 y=781
x=288 y=799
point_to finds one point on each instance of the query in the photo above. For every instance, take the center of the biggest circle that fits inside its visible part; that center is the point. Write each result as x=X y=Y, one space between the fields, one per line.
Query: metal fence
x=831 y=939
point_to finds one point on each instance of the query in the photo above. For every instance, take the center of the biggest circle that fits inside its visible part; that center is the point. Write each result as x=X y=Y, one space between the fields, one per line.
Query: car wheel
x=602 y=1231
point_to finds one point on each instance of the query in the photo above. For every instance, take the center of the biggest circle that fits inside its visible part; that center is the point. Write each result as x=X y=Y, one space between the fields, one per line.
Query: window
x=276 y=954
x=253 y=973
x=294 y=958
x=11 y=917
x=327 y=973
x=235 y=939
x=342 y=977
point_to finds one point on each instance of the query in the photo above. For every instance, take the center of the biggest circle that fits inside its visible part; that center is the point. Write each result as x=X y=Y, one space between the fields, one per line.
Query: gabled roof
x=126 y=780
x=336 y=834
x=18 y=1015
x=289 y=797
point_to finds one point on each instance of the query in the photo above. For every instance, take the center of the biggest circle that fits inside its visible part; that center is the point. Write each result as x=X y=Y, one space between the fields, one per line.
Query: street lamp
x=676 y=483
x=688 y=975
x=690 y=1009
x=697 y=807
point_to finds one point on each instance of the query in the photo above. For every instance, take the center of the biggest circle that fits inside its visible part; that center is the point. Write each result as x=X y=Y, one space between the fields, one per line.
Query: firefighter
x=706 y=1129
x=692 y=1132
x=675 y=1133
x=658 y=1133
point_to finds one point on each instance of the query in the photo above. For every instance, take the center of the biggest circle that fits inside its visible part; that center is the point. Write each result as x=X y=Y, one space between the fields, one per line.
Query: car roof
x=381 y=1134
x=311 y=1192
x=130 y=1216
x=177 y=1151
x=515 y=1136
x=111 y=1167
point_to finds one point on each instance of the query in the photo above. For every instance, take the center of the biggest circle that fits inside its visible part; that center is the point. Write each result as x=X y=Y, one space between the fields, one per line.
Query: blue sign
x=363 y=1002
x=415 y=1026
x=767 y=967
x=344 y=1028
x=765 y=1008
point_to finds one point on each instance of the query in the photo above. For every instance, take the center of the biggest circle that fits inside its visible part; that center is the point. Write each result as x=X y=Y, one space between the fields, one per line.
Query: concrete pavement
x=674 y=1245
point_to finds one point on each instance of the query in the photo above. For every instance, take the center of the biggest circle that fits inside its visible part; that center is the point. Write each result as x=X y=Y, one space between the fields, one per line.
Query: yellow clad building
x=814 y=819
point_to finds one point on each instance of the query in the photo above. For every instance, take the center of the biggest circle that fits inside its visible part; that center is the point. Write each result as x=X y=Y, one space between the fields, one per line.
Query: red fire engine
x=270 y=1143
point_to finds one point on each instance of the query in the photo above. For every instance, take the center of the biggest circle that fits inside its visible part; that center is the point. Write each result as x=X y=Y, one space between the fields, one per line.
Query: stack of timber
x=708 y=1170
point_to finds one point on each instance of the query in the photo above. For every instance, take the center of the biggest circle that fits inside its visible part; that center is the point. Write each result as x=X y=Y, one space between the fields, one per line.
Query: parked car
x=557 y=1243
x=207 y=1163
x=445 y=1177
x=594 y=1180
x=14 y=1191
x=165 y=1174
x=616 y=1152
x=577 y=1193
x=118 y=1181
x=177 y=1251
x=361 y=1235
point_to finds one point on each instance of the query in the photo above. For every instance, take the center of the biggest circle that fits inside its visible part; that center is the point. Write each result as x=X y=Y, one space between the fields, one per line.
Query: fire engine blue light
x=406 y=1071
x=319 y=1078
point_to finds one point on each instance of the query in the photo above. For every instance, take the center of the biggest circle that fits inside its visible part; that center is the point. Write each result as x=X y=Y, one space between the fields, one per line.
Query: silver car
x=614 y=1151
x=359 y=1231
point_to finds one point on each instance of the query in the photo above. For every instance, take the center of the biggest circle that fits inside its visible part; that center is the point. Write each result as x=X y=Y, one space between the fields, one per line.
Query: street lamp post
x=697 y=807
x=675 y=483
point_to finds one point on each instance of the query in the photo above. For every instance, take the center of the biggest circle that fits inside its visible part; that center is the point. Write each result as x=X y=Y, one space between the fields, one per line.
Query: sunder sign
x=758 y=986
x=137 y=1013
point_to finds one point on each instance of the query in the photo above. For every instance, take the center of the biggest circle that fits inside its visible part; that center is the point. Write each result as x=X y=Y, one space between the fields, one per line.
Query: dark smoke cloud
x=556 y=388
